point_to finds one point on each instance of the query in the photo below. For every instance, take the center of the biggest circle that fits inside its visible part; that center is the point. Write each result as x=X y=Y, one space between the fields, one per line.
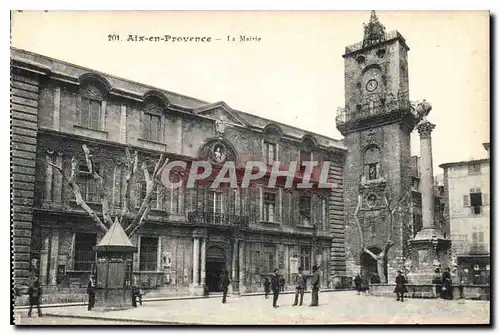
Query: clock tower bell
x=376 y=122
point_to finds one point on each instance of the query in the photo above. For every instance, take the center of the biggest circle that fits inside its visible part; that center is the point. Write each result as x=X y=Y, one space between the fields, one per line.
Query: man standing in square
x=315 y=286
x=275 y=287
x=300 y=286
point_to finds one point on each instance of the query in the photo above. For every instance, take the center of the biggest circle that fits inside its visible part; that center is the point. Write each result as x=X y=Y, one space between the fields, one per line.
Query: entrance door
x=215 y=267
x=214 y=272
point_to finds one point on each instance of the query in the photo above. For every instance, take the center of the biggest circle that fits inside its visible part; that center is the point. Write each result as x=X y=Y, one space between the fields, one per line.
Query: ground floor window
x=269 y=253
x=148 y=254
x=84 y=251
x=305 y=258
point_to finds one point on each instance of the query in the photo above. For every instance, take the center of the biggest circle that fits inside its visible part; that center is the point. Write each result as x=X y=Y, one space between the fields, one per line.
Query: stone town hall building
x=191 y=235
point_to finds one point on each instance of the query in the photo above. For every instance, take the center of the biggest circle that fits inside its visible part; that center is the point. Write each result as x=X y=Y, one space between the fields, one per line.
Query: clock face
x=371 y=85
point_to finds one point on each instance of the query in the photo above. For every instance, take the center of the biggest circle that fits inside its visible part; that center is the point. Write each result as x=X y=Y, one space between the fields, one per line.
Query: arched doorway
x=216 y=265
x=369 y=265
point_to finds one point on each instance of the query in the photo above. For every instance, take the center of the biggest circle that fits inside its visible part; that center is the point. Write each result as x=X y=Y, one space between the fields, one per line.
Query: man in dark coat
x=275 y=287
x=400 y=288
x=225 y=285
x=35 y=294
x=91 y=292
x=357 y=283
x=315 y=282
x=446 y=284
x=300 y=287
x=267 y=286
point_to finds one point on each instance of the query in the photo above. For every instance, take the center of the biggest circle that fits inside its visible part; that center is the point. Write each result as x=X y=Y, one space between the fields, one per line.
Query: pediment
x=221 y=111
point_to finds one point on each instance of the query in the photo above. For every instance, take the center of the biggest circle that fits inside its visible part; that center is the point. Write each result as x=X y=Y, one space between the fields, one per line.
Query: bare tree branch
x=78 y=195
x=131 y=165
x=100 y=184
x=151 y=184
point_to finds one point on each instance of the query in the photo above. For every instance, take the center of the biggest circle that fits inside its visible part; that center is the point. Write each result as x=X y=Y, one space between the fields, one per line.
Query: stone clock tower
x=377 y=121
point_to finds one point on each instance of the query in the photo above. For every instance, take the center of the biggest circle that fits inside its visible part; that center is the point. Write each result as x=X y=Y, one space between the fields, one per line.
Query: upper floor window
x=172 y=201
x=215 y=204
x=87 y=184
x=92 y=105
x=476 y=200
x=371 y=161
x=154 y=195
x=151 y=122
x=270 y=152
x=324 y=213
x=90 y=113
x=474 y=168
x=269 y=206
x=415 y=184
x=305 y=210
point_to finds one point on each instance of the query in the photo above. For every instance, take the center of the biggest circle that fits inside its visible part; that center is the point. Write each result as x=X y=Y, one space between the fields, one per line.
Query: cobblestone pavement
x=335 y=308
x=22 y=319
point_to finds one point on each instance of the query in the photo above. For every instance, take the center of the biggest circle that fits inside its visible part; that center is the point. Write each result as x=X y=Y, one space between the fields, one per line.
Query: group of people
x=277 y=285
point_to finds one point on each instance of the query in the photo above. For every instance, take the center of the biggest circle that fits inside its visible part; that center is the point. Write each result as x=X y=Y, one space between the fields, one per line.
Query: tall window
x=152 y=127
x=478 y=241
x=269 y=253
x=474 y=200
x=84 y=251
x=172 y=203
x=305 y=258
x=215 y=201
x=372 y=163
x=90 y=113
x=270 y=152
x=305 y=210
x=148 y=255
x=269 y=206
x=474 y=168
x=154 y=195
x=305 y=156
x=87 y=184
x=417 y=223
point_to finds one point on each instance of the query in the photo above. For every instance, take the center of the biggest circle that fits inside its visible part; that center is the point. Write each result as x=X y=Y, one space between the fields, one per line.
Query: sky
x=295 y=73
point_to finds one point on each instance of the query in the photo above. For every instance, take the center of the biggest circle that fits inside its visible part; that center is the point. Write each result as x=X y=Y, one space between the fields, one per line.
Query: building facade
x=191 y=235
x=467 y=189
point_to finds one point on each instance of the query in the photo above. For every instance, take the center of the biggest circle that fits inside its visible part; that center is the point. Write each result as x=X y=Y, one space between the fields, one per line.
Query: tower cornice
x=391 y=36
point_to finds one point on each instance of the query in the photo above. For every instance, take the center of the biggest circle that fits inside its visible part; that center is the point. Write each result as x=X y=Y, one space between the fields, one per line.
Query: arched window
x=371 y=161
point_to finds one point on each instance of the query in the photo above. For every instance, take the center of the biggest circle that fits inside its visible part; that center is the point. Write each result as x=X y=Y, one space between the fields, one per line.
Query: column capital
x=425 y=129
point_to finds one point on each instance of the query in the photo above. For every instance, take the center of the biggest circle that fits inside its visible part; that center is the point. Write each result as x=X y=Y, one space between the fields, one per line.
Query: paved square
x=344 y=307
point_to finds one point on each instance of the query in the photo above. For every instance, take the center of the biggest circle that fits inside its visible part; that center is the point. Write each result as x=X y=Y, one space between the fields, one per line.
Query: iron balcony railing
x=220 y=219
x=382 y=106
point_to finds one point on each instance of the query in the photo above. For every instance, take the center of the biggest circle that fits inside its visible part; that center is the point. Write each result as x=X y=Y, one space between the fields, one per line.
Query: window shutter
x=466 y=201
x=486 y=199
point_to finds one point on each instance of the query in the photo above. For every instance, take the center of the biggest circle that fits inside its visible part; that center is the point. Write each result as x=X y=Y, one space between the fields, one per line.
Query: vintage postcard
x=250 y=168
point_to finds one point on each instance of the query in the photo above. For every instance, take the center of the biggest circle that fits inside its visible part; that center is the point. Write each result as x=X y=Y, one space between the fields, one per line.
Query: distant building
x=439 y=201
x=467 y=189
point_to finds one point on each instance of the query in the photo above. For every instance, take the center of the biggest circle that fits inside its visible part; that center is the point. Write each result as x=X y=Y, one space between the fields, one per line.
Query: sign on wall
x=294 y=265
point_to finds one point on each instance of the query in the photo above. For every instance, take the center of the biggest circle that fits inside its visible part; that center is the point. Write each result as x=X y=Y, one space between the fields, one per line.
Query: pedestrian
x=357 y=283
x=300 y=287
x=400 y=288
x=35 y=294
x=282 y=284
x=224 y=283
x=315 y=287
x=91 y=292
x=446 y=285
x=267 y=286
x=275 y=287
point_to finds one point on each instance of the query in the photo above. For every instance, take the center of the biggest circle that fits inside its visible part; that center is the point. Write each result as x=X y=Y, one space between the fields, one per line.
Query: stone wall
x=24 y=117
